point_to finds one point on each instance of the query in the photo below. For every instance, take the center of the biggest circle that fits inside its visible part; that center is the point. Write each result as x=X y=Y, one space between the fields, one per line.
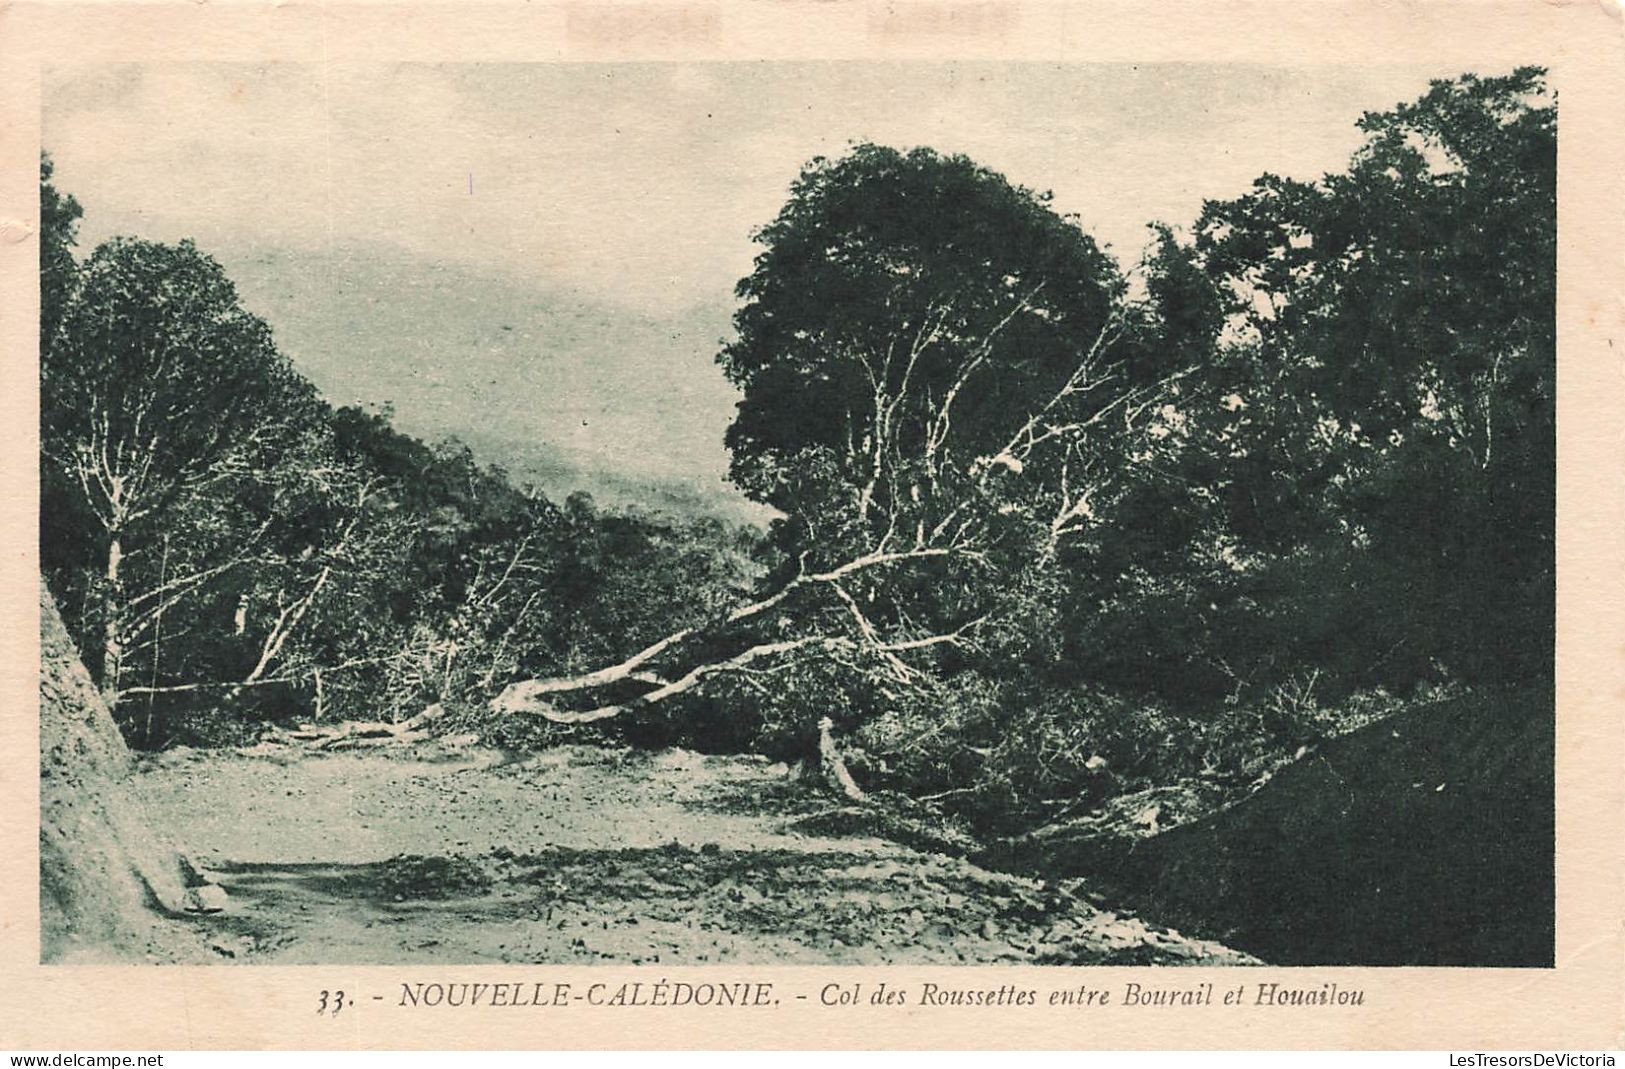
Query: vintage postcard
x=934 y=523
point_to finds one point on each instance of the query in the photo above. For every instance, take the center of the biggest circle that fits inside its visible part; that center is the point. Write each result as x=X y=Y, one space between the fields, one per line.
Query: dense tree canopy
x=1041 y=513
x=905 y=302
x=1395 y=354
x=160 y=396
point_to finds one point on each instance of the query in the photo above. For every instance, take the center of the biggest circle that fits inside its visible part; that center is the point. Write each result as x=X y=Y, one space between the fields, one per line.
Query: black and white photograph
x=778 y=512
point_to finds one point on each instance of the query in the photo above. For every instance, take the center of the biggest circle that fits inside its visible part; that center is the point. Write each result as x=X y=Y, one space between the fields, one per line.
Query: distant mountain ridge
x=563 y=391
x=557 y=474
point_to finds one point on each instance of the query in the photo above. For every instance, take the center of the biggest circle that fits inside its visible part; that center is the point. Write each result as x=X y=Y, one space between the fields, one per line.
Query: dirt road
x=581 y=855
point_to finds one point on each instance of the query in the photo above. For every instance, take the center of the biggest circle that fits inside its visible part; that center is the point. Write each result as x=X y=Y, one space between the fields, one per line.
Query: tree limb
x=525 y=697
x=625 y=670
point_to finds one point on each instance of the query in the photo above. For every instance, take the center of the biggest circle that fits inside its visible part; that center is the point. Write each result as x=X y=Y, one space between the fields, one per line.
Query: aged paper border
x=1577 y=1005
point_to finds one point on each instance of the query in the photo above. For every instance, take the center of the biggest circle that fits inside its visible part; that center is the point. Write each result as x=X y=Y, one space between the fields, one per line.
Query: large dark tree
x=161 y=400
x=59 y=225
x=1395 y=355
x=910 y=303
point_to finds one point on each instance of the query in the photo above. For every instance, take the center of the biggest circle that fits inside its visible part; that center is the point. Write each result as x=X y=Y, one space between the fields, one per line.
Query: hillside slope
x=107 y=883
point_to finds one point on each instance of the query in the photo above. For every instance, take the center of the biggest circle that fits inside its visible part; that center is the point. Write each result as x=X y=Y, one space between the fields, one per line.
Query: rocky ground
x=418 y=851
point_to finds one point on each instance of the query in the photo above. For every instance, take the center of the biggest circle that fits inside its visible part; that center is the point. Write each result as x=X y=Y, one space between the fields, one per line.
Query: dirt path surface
x=580 y=855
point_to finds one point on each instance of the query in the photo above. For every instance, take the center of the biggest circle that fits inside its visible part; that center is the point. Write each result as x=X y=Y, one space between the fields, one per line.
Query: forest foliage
x=1050 y=527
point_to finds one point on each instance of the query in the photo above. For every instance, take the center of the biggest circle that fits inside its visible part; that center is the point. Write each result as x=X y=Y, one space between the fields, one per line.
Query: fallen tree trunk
x=528 y=696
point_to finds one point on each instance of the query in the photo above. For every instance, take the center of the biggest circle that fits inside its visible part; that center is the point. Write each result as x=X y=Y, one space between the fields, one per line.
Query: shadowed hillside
x=1424 y=839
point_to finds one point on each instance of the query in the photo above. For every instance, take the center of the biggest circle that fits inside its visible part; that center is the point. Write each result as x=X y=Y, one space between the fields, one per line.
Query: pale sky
x=540 y=257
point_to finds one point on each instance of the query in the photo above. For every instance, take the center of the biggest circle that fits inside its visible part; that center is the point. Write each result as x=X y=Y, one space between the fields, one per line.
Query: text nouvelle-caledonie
x=751 y=994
